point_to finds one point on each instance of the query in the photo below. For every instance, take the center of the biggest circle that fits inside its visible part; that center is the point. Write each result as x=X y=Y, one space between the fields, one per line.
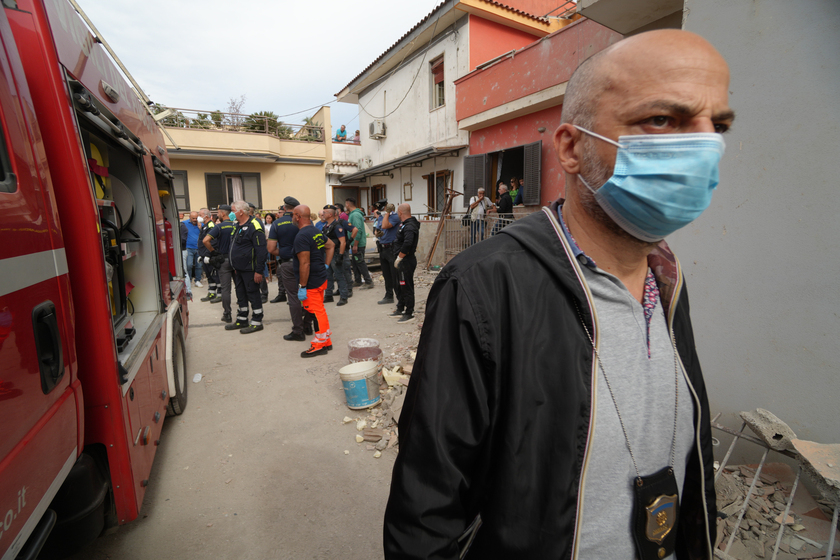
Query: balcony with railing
x=208 y=134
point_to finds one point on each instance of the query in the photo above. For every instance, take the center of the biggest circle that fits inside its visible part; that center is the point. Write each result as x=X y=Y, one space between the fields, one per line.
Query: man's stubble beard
x=595 y=172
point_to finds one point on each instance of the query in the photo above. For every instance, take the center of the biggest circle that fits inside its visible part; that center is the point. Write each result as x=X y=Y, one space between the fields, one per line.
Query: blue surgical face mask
x=232 y=217
x=661 y=182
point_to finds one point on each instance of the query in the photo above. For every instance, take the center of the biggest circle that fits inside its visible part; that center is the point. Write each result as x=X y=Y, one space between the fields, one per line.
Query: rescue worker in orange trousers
x=313 y=254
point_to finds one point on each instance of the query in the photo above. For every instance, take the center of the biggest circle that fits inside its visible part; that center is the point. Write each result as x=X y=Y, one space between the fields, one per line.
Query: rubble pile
x=806 y=526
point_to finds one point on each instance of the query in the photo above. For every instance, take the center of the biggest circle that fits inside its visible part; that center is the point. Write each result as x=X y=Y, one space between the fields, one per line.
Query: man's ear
x=567 y=140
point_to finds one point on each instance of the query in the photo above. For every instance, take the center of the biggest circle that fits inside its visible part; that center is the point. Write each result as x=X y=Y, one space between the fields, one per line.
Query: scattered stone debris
x=376 y=427
x=807 y=525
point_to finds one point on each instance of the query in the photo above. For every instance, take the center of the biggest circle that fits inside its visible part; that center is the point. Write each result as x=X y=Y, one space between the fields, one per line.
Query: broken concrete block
x=788 y=520
x=347 y=452
x=377 y=455
x=359 y=438
x=361 y=425
x=822 y=463
x=372 y=435
x=381 y=444
x=346 y=420
x=772 y=431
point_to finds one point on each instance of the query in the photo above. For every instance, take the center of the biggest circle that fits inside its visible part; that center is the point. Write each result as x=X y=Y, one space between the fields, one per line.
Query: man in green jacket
x=358 y=241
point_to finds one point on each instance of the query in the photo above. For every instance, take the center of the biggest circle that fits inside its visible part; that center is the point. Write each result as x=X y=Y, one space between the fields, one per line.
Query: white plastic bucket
x=361 y=384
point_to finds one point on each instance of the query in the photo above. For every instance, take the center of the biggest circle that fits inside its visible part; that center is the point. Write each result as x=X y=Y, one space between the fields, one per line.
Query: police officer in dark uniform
x=247 y=256
x=281 y=240
x=204 y=256
x=264 y=283
x=405 y=262
x=217 y=241
x=334 y=231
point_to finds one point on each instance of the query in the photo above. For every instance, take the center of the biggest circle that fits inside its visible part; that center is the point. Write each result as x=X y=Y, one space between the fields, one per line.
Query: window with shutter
x=532 y=164
x=216 y=194
x=221 y=188
x=476 y=171
x=182 y=190
x=437 y=83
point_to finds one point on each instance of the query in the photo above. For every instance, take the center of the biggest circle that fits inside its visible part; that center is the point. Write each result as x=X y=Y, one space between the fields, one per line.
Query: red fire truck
x=93 y=308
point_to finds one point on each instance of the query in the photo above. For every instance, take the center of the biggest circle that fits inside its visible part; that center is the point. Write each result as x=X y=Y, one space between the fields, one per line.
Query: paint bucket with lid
x=361 y=384
x=365 y=349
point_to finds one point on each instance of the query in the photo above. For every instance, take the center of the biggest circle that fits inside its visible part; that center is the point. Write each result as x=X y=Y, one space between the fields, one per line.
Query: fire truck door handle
x=48 y=345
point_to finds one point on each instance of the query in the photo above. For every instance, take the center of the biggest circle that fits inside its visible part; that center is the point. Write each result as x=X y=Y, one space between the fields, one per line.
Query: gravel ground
x=260 y=464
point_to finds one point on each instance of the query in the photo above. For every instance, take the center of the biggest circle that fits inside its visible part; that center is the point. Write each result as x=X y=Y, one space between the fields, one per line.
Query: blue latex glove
x=327 y=266
x=302 y=294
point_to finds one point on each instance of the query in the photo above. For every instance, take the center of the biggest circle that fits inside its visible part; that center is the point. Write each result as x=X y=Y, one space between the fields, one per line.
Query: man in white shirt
x=479 y=206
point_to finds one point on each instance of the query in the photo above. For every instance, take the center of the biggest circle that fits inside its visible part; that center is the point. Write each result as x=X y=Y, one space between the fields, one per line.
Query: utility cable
x=411 y=86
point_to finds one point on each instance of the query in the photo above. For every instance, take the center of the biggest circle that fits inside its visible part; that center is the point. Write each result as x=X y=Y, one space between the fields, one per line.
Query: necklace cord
x=615 y=402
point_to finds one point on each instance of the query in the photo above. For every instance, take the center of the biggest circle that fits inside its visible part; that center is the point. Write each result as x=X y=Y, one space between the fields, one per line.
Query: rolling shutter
x=532 y=164
x=476 y=172
x=437 y=71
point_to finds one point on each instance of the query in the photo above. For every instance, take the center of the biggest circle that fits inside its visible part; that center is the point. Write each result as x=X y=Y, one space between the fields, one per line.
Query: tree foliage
x=177 y=119
x=311 y=131
x=267 y=122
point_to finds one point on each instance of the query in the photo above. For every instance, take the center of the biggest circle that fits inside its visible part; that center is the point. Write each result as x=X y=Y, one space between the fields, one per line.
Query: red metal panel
x=27 y=471
x=88 y=61
x=40 y=433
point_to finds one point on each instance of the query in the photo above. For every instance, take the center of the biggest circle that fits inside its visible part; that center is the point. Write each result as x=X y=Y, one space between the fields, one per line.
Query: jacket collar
x=538 y=235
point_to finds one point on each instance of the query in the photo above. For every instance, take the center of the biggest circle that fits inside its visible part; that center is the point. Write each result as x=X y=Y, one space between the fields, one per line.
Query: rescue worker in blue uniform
x=248 y=255
x=281 y=241
x=264 y=283
x=222 y=234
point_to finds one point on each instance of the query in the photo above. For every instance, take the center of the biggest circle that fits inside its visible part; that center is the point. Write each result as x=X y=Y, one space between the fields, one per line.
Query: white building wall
x=404 y=100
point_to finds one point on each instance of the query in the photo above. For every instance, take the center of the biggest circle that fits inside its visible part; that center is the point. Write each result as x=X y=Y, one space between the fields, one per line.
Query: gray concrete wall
x=763 y=263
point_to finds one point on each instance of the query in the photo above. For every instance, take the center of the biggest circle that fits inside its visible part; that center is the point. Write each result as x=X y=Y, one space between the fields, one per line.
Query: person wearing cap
x=388 y=221
x=313 y=254
x=281 y=241
x=221 y=234
x=247 y=256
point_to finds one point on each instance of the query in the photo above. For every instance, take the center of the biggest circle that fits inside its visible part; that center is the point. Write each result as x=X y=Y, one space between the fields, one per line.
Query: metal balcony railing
x=236 y=122
x=459 y=234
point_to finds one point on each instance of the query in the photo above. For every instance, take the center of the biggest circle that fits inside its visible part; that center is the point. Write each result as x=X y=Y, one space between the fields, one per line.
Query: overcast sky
x=283 y=56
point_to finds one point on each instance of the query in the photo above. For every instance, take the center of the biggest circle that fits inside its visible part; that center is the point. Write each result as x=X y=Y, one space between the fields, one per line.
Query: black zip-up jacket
x=247 y=248
x=497 y=417
x=407 y=237
x=202 y=250
x=505 y=207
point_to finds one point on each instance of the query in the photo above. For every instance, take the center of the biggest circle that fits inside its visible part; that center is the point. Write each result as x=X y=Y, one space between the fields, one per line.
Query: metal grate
x=458 y=236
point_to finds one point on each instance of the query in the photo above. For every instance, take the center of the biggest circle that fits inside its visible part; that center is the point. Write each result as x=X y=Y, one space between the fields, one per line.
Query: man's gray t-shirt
x=644 y=391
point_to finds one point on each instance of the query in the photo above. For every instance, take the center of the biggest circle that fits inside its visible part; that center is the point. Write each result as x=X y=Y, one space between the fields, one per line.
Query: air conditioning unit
x=377 y=129
x=364 y=163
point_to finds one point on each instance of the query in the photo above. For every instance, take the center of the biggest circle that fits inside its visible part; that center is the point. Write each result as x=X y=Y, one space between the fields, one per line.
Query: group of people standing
x=314 y=261
x=481 y=206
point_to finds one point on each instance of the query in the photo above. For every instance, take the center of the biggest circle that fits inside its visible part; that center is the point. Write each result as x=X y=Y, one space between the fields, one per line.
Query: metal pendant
x=655 y=513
